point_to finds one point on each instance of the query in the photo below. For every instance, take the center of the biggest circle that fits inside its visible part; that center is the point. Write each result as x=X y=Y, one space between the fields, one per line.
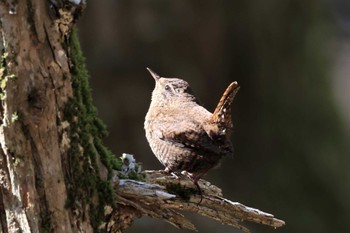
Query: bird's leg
x=195 y=182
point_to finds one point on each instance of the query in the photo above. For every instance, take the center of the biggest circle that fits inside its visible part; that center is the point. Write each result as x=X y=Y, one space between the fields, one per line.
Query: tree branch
x=163 y=195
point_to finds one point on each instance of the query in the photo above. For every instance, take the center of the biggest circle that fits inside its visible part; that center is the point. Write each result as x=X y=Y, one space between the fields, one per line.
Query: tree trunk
x=49 y=174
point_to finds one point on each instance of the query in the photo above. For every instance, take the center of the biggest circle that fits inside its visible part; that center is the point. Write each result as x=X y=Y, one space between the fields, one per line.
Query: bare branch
x=162 y=196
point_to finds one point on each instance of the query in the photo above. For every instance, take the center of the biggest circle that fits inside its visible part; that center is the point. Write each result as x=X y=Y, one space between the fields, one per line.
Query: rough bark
x=35 y=87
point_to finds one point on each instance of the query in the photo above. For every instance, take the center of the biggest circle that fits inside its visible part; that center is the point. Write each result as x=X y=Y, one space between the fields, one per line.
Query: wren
x=184 y=136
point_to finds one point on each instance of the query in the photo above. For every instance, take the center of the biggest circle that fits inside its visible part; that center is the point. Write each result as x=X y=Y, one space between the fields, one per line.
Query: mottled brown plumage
x=185 y=137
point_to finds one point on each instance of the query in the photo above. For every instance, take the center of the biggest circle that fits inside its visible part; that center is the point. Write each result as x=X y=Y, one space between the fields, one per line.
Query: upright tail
x=222 y=114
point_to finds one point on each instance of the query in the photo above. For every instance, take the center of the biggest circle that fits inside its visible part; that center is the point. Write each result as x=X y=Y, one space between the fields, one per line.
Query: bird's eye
x=167 y=87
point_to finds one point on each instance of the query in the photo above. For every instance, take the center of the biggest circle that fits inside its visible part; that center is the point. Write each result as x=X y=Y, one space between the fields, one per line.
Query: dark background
x=291 y=58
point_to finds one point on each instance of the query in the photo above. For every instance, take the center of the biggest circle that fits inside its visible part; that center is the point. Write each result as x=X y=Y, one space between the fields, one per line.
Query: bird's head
x=170 y=90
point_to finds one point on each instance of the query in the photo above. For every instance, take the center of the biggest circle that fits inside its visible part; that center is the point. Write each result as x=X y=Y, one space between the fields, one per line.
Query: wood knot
x=36 y=99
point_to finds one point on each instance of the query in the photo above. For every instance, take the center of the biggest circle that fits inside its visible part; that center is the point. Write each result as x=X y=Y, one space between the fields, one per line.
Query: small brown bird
x=184 y=136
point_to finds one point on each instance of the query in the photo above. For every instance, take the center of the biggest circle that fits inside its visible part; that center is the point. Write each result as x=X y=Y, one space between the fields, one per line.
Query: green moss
x=5 y=76
x=181 y=191
x=14 y=117
x=86 y=147
x=16 y=162
x=134 y=175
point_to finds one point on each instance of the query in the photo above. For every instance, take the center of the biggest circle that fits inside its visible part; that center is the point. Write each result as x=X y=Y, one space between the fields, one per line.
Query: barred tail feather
x=222 y=113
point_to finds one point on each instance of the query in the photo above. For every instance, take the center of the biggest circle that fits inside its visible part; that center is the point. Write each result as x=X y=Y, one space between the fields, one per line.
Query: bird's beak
x=154 y=75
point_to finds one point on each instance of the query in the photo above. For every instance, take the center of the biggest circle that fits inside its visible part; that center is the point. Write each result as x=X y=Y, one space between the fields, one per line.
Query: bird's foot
x=167 y=170
x=195 y=182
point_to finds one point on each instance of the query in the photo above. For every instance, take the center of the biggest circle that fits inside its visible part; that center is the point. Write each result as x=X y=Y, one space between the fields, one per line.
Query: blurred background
x=292 y=114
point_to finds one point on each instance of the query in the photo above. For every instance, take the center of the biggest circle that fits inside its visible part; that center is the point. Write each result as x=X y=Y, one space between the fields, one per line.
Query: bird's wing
x=190 y=135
